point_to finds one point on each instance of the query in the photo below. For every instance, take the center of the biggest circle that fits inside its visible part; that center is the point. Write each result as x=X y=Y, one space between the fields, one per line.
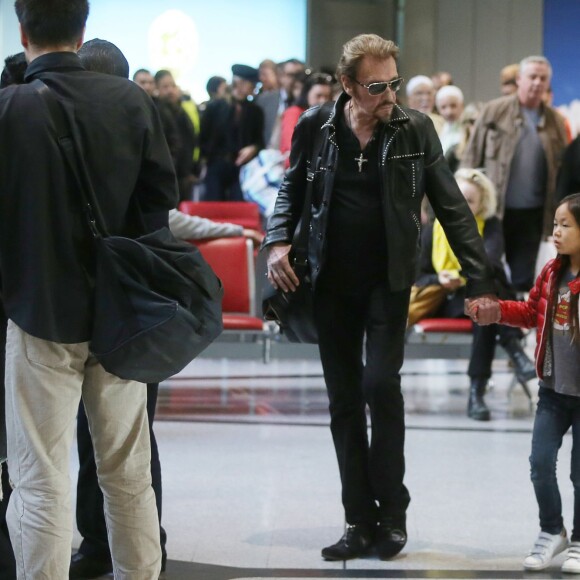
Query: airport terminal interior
x=251 y=486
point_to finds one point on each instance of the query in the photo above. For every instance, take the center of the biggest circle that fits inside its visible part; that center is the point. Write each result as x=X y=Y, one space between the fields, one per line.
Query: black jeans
x=483 y=347
x=374 y=472
x=485 y=338
x=90 y=513
x=555 y=415
x=522 y=230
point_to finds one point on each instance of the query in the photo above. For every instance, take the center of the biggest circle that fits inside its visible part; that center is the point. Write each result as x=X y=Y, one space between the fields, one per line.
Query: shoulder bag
x=294 y=311
x=157 y=302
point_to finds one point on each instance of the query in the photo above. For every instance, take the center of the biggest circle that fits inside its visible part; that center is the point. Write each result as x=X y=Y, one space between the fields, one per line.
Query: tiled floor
x=251 y=485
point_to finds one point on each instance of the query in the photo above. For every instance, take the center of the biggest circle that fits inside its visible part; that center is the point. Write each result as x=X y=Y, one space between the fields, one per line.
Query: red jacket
x=289 y=120
x=532 y=313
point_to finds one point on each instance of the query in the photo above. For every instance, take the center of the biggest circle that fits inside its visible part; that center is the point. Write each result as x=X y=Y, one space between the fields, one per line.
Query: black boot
x=523 y=366
x=476 y=407
x=355 y=543
x=391 y=537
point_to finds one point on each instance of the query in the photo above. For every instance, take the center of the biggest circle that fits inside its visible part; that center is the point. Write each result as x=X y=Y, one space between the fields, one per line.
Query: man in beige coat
x=519 y=141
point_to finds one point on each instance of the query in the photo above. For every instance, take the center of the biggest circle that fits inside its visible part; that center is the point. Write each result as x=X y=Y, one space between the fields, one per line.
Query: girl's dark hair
x=310 y=81
x=573 y=202
x=52 y=22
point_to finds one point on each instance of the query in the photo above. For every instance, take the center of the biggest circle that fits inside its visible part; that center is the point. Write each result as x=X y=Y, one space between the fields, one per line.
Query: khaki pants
x=44 y=383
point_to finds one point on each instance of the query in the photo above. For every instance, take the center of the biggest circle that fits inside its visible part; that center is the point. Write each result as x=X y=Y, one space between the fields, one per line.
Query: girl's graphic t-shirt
x=565 y=377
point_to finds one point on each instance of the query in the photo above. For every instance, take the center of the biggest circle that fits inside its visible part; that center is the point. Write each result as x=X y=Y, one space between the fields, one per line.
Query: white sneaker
x=572 y=562
x=545 y=548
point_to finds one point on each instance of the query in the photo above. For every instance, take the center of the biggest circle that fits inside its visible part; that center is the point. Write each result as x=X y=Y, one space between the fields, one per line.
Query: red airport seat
x=453 y=325
x=242 y=213
x=232 y=259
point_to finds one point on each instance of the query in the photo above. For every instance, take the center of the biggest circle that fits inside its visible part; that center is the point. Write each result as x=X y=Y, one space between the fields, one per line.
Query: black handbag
x=157 y=301
x=294 y=311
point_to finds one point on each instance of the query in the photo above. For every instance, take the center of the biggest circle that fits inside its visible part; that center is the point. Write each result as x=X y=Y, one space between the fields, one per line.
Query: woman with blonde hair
x=441 y=285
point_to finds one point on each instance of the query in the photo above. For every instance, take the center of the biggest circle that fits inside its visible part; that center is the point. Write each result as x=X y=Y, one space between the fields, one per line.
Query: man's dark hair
x=104 y=57
x=140 y=71
x=160 y=74
x=292 y=61
x=310 y=81
x=14 y=69
x=52 y=22
x=213 y=85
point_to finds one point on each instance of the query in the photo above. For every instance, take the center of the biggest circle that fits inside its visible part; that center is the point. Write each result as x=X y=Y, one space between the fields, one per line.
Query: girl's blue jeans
x=555 y=414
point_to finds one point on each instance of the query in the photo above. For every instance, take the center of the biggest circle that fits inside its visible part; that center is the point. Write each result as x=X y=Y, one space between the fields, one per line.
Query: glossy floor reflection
x=251 y=485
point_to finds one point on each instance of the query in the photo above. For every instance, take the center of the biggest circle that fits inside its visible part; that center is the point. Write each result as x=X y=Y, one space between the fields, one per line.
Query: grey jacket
x=192 y=227
x=493 y=144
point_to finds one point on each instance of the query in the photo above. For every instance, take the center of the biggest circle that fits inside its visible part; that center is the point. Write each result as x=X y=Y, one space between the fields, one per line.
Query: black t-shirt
x=356 y=253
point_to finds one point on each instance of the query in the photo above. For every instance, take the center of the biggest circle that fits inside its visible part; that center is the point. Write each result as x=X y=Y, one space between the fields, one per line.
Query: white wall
x=472 y=39
x=196 y=39
x=9 y=36
x=333 y=22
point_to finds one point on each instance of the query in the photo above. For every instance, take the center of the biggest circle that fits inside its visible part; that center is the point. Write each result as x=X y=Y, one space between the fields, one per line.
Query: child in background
x=552 y=308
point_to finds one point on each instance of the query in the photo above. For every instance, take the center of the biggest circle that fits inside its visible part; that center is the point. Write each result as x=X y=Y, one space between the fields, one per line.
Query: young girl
x=553 y=309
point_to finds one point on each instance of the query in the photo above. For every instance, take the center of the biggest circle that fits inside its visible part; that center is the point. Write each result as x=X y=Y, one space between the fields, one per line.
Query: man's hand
x=483 y=309
x=449 y=280
x=280 y=272
x=245 y=154
x=254 y=235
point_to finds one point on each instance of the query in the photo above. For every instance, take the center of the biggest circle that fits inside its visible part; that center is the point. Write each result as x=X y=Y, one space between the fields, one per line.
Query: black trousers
x=485 y=338
x=371 y=473
x=222 y=181
x=522 y=230
x=90 y=513
x=483 y=347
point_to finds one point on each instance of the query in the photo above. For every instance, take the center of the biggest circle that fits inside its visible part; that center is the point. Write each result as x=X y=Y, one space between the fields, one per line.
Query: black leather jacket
x=412 y=165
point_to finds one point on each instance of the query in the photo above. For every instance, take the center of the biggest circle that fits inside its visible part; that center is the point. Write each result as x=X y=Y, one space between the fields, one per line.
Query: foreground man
x=377 y=160
x=46 y=268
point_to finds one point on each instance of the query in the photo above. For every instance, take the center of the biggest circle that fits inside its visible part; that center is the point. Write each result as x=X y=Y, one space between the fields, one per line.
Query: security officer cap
x=245 y=72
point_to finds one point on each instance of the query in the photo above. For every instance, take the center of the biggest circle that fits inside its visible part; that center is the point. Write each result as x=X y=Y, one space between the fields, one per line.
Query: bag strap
x=300 y=242
x=66 y=132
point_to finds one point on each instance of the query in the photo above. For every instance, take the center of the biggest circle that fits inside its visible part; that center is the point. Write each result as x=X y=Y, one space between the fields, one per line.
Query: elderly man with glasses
x=371 y=162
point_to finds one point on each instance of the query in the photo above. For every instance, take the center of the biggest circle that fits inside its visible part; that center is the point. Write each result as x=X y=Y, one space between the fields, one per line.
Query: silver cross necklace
x=359 y=160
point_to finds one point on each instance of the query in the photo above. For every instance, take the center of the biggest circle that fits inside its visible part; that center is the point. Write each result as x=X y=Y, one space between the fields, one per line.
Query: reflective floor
x=251 y=485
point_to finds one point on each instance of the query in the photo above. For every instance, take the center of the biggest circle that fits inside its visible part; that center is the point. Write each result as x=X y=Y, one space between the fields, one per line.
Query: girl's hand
x=483 y=309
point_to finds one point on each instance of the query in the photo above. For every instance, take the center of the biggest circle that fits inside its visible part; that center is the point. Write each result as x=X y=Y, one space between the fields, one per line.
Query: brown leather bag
x=425 y=301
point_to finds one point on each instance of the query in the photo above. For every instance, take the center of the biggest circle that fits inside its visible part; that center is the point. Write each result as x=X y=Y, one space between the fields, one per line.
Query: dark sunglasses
x=375 y=89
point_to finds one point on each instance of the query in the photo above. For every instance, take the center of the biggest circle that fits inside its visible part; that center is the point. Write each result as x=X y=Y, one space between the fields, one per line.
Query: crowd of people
x=478 y=187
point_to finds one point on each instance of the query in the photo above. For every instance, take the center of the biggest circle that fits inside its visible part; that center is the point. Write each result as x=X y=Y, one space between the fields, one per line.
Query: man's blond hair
x=359 y=47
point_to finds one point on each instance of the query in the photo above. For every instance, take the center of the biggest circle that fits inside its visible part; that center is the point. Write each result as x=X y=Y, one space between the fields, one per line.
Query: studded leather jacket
x=411 y=165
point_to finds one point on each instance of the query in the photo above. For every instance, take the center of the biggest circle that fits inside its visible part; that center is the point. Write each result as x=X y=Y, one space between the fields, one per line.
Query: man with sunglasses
x=373 y=163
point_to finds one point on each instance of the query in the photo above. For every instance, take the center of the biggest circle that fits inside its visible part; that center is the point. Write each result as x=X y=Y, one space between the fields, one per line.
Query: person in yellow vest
x=186 y=118
x=439 y=289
